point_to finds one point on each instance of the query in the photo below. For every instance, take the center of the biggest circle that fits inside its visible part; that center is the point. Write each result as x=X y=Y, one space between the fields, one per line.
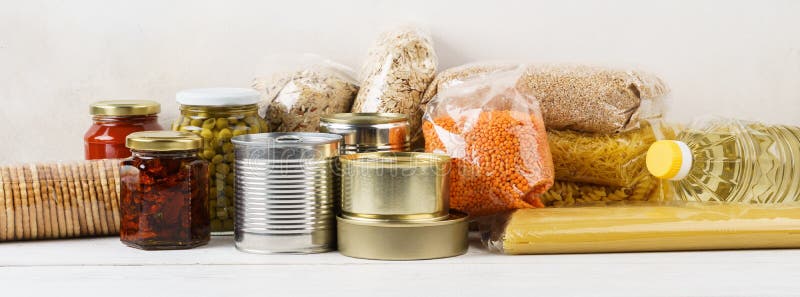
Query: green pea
x=212 y=192
x=228 y=224
x=222 y=123
x=227 y=148
x=225 y=134
x=238 y=132
x=196 y=122
x=206 y=134
x=208 y=153
x=209 y=124
x=255 y=129
x=223 y=168
x=228 y=191
x=229 y=157
x=217 y=159
x=230 y=178
x=233 y=120
x=222 y=214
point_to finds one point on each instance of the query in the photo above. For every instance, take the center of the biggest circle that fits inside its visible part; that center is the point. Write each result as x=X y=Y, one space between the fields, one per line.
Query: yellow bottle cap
x=669 y=159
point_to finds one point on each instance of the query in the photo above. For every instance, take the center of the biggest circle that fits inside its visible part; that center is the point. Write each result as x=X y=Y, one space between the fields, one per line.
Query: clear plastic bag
x=398 y=69
x=642 y=228
x=576 y=97
x=644 y=188
x=605 y=159
x=497 y=142
x=294 y=97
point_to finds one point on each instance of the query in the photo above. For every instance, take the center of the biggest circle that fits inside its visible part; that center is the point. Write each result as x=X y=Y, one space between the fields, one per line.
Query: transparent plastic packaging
x=59 y=200
x=643 y=228
x=605 y=159
x=303 y=89
x=398 y=69
x=731 y=160
x=497 y=142
x=644 y=188
x=576 y=97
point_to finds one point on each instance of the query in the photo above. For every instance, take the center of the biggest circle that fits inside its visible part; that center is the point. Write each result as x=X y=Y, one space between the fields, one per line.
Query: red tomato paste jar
x=113 y=121
x=164 y=192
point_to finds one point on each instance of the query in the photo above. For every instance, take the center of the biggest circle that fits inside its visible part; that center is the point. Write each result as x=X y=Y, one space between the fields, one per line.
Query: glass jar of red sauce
x=113 y=121
x=164 y=192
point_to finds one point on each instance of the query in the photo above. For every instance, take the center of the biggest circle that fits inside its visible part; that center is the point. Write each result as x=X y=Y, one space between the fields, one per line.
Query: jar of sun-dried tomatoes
x=164 y=192
x=113 y=121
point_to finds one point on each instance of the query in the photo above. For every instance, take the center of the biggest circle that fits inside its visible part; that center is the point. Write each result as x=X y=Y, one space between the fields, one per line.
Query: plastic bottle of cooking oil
x=728 y=160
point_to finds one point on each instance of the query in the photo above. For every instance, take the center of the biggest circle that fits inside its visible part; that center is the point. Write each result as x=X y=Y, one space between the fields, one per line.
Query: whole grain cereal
x=294 y=101
x=398 y=69
x=576 y=97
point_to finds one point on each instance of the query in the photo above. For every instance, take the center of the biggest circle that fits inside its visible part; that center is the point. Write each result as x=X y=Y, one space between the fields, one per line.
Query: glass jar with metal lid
x=217 y=115
x=369 y=132
x=164 y=192
x=113 y=121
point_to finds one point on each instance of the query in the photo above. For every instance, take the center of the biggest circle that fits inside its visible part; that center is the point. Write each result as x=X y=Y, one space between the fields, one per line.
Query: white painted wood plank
x=106 y=266
x=738 y=278
x=109 y=251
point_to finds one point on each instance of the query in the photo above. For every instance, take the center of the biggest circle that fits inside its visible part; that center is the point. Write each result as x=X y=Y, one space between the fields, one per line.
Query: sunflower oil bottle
x=727 y=160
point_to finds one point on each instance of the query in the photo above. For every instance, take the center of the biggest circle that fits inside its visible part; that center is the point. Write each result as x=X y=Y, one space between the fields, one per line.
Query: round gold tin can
x=395 y=186
x=379 y=240
x=369 y=132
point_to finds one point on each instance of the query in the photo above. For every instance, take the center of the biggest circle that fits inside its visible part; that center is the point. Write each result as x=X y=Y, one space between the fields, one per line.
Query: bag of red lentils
x=496 y=138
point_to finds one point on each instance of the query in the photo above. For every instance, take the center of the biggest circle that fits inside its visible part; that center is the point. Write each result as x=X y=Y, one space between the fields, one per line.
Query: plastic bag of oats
x=398 y=69
x=303 y=89
x=577 y=97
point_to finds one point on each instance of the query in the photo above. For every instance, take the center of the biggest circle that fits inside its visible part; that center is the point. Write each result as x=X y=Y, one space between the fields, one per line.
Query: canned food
x=286 y=192
x=369 y=132
x=395 y=186
x=403 y=240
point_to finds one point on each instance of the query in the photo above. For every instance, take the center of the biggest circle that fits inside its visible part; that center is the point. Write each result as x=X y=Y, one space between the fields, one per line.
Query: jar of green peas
x=217 y=115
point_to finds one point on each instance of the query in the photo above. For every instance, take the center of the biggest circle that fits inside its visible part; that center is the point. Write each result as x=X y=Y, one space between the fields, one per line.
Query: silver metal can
x=369 y=132
x=287 y=187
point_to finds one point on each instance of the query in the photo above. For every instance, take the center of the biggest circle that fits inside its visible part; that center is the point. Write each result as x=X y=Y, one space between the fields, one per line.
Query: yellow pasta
x=604 y=159
x=566 y=193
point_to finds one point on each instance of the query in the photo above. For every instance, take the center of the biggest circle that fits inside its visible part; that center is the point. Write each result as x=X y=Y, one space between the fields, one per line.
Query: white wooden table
x=104 y=267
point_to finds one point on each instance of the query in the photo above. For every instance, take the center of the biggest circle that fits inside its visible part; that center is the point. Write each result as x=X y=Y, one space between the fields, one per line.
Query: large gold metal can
x=380 y=240
x=369 y=132
x=395 y=186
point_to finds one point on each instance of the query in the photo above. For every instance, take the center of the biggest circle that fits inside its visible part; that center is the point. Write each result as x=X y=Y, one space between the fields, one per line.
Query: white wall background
x=734 y=58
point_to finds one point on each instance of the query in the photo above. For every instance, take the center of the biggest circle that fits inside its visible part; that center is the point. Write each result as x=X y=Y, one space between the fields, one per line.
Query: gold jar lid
x=125 y=108
x=377 y=240
x=366 y=118
x=163 y=141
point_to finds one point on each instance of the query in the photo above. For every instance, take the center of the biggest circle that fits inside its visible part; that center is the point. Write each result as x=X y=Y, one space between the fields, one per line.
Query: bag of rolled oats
x=398 y=69
x=294 y=97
